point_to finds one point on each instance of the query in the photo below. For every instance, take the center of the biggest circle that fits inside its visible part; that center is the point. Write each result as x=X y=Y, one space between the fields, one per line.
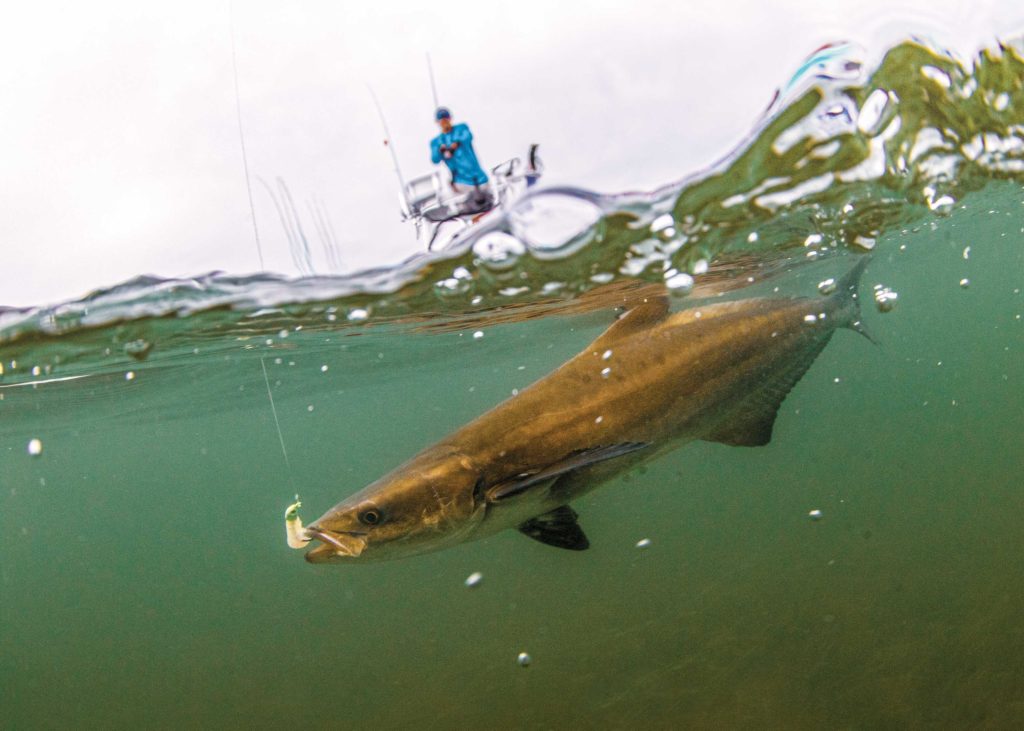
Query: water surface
x=144 y=577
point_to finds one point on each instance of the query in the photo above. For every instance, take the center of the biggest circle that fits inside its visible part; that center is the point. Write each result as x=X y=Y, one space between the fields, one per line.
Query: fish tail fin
x=846 y=294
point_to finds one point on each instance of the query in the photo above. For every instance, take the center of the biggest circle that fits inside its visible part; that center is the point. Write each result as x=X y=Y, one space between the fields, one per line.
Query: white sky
x=119 y=141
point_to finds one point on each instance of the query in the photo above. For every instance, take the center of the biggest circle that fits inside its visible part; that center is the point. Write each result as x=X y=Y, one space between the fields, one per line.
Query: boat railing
x=422 y=192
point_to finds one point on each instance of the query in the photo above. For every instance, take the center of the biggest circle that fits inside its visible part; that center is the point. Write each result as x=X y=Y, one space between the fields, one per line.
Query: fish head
x=429 y=503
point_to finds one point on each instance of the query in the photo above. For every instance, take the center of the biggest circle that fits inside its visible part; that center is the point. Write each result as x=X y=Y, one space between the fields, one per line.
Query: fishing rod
x=241 y=133
x=433 y=86
x=391 y=148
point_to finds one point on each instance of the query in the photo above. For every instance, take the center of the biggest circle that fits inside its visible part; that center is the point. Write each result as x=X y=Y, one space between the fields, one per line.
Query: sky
x=121 y=150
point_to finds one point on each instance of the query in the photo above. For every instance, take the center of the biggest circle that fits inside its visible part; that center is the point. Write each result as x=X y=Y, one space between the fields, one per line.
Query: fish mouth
x=334 y=545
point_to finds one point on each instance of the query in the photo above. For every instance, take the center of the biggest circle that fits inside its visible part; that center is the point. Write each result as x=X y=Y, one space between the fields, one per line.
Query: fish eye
x=370 y=516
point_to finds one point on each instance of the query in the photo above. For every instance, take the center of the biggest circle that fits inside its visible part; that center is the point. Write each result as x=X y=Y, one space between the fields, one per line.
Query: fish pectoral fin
x=557 y=528
x=516 y=486
x=573 y=461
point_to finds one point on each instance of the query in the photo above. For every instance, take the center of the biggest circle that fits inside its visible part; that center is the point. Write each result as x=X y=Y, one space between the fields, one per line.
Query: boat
x=441 y=215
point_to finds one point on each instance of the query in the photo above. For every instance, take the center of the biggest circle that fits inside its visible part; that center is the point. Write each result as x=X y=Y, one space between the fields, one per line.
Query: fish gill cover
x=847 y=151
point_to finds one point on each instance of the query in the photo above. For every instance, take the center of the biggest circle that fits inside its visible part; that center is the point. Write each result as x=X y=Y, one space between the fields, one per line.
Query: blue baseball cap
x=442 y=113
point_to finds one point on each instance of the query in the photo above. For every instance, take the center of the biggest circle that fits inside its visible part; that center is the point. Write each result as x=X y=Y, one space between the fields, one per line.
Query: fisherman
x=455 y=147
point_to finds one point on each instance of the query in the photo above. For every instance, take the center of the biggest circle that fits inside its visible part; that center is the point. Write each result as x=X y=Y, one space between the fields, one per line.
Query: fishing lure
x=294 y=530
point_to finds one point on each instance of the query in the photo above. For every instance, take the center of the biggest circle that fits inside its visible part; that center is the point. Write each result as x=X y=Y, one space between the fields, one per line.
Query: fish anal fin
x=755 y=432
x=557 y=528
x=751 y=424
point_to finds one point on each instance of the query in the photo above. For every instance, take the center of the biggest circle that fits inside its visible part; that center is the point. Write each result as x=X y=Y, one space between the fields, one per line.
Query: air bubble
x=643 y=543
x=498 y=250
x=473 y=580
x=35 y=447
x=524 y=659
x=885 y=298
x=460 y=282
x=872 y=115
x=700 y=267
x=937 y=75
x=129 y=376
x=679 y=283
x=512 y=291
x=943 y=204
x=451 y=286
x=478 y=334
x=138 y=349
x=605 y=372
x=357 y=315
x=815 y=515
x=827 y=286
x=662 y=222
x=965 y=282
x=554 y=225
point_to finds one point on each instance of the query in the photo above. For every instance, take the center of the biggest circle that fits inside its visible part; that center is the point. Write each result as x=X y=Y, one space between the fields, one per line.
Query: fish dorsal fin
x=573 y=461
x=557 y=528
x=751 y=425
x=644 y=313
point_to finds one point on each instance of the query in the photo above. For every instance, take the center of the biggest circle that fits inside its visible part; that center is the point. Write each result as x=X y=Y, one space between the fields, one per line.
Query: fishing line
x=241 y=133
x=280 y=436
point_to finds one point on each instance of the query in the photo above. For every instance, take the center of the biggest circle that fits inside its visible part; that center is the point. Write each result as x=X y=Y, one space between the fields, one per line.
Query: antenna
x=391 y=148
x=433 y=86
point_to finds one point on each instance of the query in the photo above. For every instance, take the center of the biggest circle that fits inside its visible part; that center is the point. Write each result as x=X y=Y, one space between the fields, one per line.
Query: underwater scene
x=741 y=452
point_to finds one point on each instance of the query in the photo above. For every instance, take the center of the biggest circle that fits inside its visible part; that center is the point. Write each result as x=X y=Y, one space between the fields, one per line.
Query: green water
x=145 y=580
x=144 y=575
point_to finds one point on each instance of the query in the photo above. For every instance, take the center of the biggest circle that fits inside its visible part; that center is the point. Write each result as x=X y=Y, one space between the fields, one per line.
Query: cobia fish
x=650 y=383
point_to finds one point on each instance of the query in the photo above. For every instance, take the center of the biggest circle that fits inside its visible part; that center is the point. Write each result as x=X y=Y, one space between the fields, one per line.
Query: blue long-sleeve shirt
x=463 y=163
